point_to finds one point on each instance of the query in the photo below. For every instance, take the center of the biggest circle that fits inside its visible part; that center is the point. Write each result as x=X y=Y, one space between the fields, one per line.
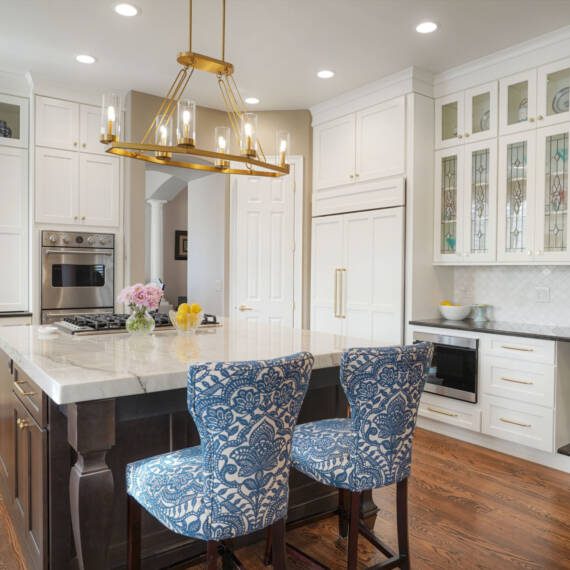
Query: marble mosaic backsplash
x=512 y=292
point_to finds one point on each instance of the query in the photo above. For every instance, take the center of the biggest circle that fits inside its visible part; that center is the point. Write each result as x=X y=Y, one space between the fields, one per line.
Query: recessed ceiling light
x=325 y=74
x=84 y=58
x=128 y=10
x=252 y=100
x=426 y=27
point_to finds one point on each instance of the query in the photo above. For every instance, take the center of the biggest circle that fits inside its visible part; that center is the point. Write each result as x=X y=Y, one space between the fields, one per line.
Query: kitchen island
x=74 y=410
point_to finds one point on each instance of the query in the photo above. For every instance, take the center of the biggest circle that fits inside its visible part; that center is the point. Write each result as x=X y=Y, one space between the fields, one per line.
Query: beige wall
x=175 y=272
x=141 y=107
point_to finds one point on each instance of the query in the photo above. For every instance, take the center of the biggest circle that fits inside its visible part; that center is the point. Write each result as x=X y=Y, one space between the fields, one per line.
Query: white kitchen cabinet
x=89 y=130
x=359 y=159
x=467 y=116
x=57 y=186
x=334 y=152
x=76 y=188
x=380 y=140
x=357 y=275
x=57 y=123
x=516 y=211
x=553 y=89
x=517 y=102
x=14 y=228
x=551 y=236
x=98 y=190
x=13 y=121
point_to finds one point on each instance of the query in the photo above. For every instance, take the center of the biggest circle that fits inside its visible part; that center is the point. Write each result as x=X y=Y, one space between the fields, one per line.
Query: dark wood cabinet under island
x=75 y=410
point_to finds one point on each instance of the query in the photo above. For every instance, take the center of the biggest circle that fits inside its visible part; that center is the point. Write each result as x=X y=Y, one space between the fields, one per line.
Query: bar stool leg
x=212 y=555
x=278 y=548
x=268 y=542
x=133 y=534
x=402 y=522
x=342 y=515
x=353 y=526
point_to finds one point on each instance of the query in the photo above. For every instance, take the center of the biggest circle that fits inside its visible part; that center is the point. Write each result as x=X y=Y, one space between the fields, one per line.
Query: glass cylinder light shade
x=282 y=147
x=110 y=115
x=186 y=128
x=163 y=135
x=248 y=135
x=222 y=140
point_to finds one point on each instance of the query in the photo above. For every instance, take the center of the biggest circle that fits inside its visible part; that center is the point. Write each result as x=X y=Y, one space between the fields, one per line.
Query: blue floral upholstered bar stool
x=237 y=480
x=372 y=448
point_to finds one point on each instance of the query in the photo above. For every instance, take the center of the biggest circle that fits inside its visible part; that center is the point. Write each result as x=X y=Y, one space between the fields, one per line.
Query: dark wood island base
x=80 y=508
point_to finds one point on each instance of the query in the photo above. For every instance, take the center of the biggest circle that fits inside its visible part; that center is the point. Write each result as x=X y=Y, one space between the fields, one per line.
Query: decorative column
x=156 y=239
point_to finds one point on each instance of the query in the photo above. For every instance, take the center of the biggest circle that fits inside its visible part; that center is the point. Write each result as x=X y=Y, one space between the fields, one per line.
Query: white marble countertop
x=79 y=368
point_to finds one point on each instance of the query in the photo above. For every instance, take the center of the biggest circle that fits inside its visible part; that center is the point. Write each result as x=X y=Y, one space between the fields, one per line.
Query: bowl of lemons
x=187 y=318
x=453 y=312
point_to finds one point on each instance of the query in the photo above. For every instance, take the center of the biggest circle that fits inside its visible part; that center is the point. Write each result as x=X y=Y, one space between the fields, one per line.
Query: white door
x=98 y=190
x=264 y=260
x=551 y=236
x=13 y=228
x=334 y=149
x=380 y=140
x=516 y=203
x=448 y=205
x=517 y=102
x=481 y=117
x=449 y=115
x=89 y=129
x=326 y=274
x=480 y=204
x=552 y=93
x=57 y=123
x=57 y=186
x=372 y=286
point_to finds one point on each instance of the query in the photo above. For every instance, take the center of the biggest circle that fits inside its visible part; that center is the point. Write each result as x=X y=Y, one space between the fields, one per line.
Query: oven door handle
x=82 y=251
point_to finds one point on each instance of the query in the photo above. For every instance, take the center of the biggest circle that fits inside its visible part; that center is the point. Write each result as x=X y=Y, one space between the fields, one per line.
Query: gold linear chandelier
x=177 y=146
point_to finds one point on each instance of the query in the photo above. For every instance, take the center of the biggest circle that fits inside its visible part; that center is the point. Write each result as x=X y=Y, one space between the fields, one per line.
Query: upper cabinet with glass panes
x=468 y=116
x=535 y=98
x=13 y=121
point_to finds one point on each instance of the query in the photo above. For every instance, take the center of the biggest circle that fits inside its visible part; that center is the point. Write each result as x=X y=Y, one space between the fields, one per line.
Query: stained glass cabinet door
x=480 y=204
x=481 y=104
x=449 y=209
x=552 y=194
x=553 y=99
x=517 y=202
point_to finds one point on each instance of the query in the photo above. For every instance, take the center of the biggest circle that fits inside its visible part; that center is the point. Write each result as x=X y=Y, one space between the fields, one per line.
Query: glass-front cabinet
x=467 y=116
x=13 y=121
x=466 y=204
x=517 y=102
x=516 y=197
x=551 y=240
x=553 y=93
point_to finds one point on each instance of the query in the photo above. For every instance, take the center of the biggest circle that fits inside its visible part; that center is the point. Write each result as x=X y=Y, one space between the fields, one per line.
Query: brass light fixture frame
x=190 y=61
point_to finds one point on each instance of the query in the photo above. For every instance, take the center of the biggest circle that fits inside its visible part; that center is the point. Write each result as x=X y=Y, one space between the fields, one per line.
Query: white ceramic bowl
x=454 y=313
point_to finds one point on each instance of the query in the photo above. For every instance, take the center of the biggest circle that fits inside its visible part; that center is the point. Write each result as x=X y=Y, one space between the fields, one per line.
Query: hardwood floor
x=470 y=508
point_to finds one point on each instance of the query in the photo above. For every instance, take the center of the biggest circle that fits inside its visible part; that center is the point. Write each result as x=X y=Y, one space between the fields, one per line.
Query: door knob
x=245 y=308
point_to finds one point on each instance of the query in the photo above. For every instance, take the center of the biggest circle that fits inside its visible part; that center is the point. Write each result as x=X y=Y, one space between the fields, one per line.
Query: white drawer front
x=519 y=422
x=531 y=382
x=521 y=348
x=468 y=419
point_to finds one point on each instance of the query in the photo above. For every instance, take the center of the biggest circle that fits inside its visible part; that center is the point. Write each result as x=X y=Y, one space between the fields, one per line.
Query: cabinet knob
x=82 y=217
x=466 y=135
x=351 y=176
x=75 y=143
x=459 y=136
x=528 y=252
x=84 y=145
x=540 y=117
x=75 y=217
x=531 y=119
x=538 y=252
x=357 y=175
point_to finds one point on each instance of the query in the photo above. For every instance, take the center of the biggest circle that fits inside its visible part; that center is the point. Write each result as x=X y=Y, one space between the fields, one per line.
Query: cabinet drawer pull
x=520 y=349
x=515 y=381
x=23 y=424
x=21 y=390
x=442 y=412
x=515 y=423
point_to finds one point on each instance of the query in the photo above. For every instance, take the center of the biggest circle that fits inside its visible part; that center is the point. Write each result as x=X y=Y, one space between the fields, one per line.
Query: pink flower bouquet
x=141 y=299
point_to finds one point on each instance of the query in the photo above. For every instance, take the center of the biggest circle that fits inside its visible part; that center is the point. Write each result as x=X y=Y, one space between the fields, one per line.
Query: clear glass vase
x=140 y=322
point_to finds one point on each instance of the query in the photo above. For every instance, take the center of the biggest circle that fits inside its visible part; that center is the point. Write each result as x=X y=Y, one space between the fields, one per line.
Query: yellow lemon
x=195 y=308
x=446 y=303
x=183 y=309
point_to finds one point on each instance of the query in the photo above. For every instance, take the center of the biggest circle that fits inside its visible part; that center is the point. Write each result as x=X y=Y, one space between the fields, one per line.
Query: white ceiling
x=277 y=46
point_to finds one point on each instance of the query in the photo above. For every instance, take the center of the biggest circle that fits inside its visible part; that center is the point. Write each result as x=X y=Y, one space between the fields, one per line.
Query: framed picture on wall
x=181 y=245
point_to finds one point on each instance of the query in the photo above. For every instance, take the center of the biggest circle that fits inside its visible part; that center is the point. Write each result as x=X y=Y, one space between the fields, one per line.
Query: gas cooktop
x=104 y=323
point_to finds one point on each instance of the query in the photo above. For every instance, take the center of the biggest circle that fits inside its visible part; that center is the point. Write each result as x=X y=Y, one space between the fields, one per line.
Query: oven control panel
x=77 y=239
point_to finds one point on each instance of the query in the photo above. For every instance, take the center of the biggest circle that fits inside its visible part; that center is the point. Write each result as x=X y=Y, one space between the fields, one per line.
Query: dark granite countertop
x=500 y=327
x=12 y=314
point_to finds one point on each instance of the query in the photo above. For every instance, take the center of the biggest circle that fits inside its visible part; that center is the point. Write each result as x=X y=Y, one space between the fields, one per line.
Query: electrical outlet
x=542 y=294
